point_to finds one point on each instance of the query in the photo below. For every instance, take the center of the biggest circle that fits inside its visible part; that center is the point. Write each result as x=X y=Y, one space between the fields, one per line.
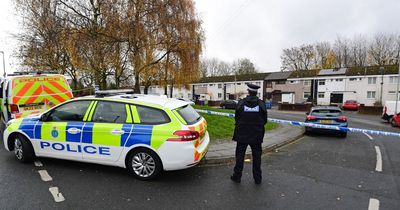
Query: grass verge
x=220 y=127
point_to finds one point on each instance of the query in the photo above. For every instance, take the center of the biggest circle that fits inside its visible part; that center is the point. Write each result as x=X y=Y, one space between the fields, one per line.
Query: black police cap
x=252 y=87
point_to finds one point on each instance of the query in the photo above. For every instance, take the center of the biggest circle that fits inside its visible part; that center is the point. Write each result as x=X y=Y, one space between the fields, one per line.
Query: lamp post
x=382 y=71
x=397 y=89
x=4 y=65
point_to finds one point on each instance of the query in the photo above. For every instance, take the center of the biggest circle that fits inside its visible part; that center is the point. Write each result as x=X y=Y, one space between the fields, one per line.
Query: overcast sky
x=260 y=29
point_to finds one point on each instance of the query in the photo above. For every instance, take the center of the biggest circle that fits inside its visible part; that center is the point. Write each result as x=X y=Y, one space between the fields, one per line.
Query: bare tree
x=243 y=66
x=341 y=49
x=382 y=49
x=298 y=58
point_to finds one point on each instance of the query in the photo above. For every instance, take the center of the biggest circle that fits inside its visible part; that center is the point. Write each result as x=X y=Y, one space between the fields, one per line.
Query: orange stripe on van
x=54 y=95
x=34 y=96
x=22 y=92
x=58 y=86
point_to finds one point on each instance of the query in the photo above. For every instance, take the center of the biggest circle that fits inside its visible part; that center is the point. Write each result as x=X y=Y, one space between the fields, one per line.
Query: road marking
x=45 y=176
x=38 y=163
x=58 y=197
x=369 y=136
x=373 y=204
x=378 y=159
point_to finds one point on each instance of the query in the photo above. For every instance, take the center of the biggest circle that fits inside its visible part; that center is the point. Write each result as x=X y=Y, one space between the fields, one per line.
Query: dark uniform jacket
x=250 y=116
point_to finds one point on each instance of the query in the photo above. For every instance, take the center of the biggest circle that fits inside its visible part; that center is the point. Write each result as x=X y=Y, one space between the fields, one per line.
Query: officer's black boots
x=235 y=178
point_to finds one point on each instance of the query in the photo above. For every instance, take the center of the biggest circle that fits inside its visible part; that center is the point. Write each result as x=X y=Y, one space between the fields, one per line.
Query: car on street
x=228 y=104
x=326 y=115
x=389 y=110
x=350 y=105
x=145 y=134
x=395 y=120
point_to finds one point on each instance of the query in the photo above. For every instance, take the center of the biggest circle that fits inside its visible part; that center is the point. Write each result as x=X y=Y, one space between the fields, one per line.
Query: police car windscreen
x=326 y=112
x=189 y=114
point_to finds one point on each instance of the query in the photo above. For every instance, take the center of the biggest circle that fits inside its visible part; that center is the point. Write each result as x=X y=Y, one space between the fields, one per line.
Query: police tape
x=312 y=125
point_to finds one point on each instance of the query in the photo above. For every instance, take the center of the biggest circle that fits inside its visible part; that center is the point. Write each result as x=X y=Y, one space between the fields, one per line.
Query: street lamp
x=382 y=71
x=4 y=65
x=397 y=89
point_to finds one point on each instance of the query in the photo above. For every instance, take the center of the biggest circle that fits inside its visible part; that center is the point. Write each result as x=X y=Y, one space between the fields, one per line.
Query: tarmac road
x=320 y=171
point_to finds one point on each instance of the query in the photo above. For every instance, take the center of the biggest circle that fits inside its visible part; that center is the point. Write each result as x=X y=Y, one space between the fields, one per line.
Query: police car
x=145 y=134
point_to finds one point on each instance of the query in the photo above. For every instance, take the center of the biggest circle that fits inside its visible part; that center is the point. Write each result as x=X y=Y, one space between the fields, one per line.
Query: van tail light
x=14 y=108
x=309 y=117
x=342 y=118
x=185 y=135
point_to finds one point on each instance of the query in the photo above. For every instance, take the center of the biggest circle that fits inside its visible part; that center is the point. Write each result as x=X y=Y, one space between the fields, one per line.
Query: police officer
x=250 y=116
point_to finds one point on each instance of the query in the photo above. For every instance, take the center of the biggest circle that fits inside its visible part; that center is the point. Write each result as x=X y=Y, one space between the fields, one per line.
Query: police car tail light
x=309 y=117
x=14 y=108
x=342 y=118
x=185 y=135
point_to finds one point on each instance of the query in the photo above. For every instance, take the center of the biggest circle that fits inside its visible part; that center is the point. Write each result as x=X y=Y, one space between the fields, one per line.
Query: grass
x=220 y=127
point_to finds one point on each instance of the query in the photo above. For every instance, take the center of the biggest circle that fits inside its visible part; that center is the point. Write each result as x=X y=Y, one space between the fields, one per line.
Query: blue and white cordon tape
x=312 y=125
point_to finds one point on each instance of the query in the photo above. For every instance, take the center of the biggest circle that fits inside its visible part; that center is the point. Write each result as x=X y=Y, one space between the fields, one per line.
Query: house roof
x=278 y=75
x=231 y=78
x=304 y=73
x=372 y=70
x=331 y=72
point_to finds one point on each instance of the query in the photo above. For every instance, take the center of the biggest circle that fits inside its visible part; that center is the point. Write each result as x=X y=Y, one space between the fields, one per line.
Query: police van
x=145 y=134
x=27 y=93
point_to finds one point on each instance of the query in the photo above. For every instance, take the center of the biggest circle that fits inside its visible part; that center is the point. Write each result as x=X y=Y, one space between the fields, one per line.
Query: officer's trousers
x=256 y=153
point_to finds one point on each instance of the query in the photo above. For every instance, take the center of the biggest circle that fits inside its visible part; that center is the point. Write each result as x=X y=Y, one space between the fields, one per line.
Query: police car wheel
x=23 y=149
x=144 y=164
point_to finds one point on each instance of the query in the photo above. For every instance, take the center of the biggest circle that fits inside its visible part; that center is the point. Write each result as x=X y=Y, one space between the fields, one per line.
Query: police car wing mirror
x=44 y=117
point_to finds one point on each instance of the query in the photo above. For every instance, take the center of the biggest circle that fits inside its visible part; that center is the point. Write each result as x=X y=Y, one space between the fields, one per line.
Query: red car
x=395 y=120
x=350 y=105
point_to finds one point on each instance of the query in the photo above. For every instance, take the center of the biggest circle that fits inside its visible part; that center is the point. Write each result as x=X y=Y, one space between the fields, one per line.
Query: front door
x=105 y=135
x=59 y=135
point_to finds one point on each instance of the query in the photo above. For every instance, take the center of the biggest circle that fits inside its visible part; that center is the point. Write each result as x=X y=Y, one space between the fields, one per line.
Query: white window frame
x=320 y=95
x=370 y=93
x=307 y=82
x=219 y=85
x=304 y=95
x=371 y=80
x=393 y=79
x=321 y=81
x=219 y=95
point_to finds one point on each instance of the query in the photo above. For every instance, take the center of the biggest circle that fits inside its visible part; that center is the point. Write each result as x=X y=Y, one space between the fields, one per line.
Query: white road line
x=373 y=204
x=369 y=136
x=58 y=197
x=38 y=163
x=45 y=176
x=378 y=159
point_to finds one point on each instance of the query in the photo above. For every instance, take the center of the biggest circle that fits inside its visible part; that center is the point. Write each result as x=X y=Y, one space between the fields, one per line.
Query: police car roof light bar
x=103 y=93
x=39 y=72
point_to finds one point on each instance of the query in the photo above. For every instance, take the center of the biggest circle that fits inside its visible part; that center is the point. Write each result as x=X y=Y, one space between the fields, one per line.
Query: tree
x=297 y=58
x=215 y=67
x=243 y=66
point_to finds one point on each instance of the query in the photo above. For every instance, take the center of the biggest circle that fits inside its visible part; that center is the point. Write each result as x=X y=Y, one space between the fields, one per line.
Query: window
x=219 y=85
x=72 y=111
x=371 y=80
x=321 y=95
x=353 y=79
x=321 y=82
x=189 y=115
x=269 y=84
x=339 y=80
x=211 y=85
x=307 y=82
x=294 y=82
x=392 y=92
x=219 y=95
x=152 y=116
x=393 y=79
x=371 y=94
x=239 y=83
x=109 y=112
x=306 y=95
x=282 y=82
x=228 y=85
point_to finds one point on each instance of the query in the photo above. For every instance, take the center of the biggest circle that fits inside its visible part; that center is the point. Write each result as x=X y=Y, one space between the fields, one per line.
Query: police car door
x=111 y=126
x=59 y=133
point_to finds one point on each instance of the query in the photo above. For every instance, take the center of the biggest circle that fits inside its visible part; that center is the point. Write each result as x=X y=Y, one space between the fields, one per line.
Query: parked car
x=228 y=104
x=389 y=110
x=395 y=120
x=350 y=105
x=326 y=115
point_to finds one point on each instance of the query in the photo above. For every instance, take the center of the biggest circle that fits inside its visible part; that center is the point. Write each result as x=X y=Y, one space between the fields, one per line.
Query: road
x=316 y=172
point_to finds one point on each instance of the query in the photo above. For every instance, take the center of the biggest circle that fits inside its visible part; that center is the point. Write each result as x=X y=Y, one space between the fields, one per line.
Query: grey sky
x=260 y=29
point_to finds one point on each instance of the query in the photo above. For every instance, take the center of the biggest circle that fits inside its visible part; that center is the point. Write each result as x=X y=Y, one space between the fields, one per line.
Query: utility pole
x=382 y=71
x=4 y=65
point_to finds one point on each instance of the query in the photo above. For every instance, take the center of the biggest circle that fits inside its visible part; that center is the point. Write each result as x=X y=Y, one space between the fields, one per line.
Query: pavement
x=224 y=152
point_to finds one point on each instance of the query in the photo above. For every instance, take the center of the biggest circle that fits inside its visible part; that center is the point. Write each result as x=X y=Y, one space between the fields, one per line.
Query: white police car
x=145 y=134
